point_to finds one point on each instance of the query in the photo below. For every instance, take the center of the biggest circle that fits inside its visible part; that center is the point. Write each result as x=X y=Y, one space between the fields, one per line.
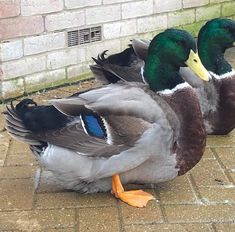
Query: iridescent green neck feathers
x=167 y=52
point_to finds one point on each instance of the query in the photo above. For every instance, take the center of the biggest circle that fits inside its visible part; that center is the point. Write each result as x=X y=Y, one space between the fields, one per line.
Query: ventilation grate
x=72 y=38
x=83 y=36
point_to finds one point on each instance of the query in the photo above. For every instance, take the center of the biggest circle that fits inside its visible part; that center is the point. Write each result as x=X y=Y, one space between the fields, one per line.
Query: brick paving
x=31 y=200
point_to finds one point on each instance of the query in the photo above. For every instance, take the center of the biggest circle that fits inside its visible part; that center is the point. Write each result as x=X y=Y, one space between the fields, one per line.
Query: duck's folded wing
x=123 y=124
x=115 y=99
x=125 y=66
x=120 y=133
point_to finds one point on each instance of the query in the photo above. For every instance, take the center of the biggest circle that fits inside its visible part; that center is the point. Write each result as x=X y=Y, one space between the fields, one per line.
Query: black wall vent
x=84 y=36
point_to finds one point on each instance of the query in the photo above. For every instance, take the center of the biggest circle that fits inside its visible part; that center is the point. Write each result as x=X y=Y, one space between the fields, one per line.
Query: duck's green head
x=214 y=38
x=167 y=52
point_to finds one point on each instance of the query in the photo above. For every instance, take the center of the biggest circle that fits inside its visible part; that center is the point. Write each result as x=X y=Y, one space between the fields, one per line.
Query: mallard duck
x=216 y=97
x=123 y=132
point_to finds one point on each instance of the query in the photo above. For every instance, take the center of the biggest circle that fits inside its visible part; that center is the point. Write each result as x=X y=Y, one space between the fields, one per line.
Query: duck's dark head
x=214 y=38
x=169 y=51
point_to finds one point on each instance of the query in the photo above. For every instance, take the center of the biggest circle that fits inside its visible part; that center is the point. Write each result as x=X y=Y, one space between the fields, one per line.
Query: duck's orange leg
x=136 y=198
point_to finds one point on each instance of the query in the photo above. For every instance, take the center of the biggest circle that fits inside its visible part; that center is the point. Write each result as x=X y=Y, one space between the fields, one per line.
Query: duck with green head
x=216 y=97
x=124 y=132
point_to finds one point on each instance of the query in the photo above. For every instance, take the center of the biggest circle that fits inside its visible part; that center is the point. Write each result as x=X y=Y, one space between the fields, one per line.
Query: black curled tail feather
x=15 y=125
x=101 y=69
x=124 y=58
x=110 y=69
x=101 y=60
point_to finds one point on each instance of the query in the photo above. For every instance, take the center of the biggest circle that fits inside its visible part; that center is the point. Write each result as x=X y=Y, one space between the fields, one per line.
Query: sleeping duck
x=124 y=132
x=217 y=97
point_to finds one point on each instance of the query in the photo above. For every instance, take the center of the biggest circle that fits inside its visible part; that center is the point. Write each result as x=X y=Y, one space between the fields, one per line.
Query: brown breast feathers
x=191 y=141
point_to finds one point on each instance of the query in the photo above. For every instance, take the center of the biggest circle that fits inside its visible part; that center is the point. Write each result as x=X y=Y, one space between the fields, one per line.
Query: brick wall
x=33 y=34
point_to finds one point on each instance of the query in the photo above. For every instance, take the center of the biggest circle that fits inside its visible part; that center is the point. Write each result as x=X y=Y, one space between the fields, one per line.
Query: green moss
x=228 y=9
x=81 y=77
x=193 y=28
x=41 y=86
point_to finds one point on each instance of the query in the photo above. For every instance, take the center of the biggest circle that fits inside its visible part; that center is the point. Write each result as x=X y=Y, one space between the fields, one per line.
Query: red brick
x=21 y=26
x=9 y=8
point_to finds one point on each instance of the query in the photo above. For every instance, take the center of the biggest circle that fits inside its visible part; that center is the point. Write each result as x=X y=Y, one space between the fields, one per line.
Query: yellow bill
x=195 y=64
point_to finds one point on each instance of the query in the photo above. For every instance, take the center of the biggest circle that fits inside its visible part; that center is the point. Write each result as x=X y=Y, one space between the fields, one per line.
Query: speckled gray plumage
x=161 y=148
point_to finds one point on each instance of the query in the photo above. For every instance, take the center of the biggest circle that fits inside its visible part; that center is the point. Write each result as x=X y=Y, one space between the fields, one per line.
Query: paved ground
x=202 y=200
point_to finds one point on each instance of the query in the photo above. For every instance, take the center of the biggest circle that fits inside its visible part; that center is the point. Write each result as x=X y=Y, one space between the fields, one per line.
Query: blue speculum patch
x=94 y=126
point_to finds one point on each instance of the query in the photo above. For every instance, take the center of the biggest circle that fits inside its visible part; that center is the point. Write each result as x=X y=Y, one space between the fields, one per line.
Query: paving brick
x=2 y=121
x=20 y=154
x=64 y=20
x=17 y=172
x=169 y=228
x=208 y=154
x=137 y=9
x=44 y=43
x=102 y=14
x=220 y=141
x=33 y=7
x=59 y=230
x=21 y=26
x=71 y=4
x=55 y=93
x=228 y=9
x=199 y=213
x=205 y=13
x=44 y=79
x=12 y=88
x=167 y=5
x=181 y=18
x=36 y=220
x=65 y=57
x=11 y=50
x=225 y=227
x=73 y=199
x=226 y=155
x=152 y=23
x=47 y=183
x=178 y=191
x=213 y=176
x=103 y=219
x=3 y=154
x=193 y=3
x=11 y=190
x=218 y=195
x=119 y=29
x=23 y=66
x=4 y=141
x=150 y=214
x=17 y=147
x=21 y=160
x=9 y=8
x=232 y=174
